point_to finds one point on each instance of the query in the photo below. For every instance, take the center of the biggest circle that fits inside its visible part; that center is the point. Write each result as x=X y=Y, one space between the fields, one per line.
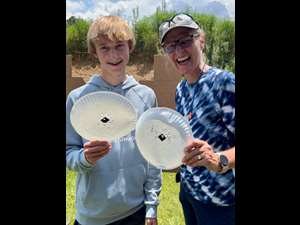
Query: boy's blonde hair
x=113 y=27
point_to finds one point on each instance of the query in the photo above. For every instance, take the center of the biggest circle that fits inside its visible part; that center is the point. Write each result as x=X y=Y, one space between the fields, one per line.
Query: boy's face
x=113 y=56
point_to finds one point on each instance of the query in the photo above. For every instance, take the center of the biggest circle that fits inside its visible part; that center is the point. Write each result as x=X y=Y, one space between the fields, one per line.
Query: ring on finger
x=199 y=157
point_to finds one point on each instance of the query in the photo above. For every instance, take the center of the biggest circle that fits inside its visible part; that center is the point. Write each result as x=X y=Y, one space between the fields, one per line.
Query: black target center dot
x=162 y=137
x=104 y=120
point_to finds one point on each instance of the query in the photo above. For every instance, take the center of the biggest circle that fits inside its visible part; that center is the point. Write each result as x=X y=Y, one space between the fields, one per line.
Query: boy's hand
x=151 y=221
x=95 y=150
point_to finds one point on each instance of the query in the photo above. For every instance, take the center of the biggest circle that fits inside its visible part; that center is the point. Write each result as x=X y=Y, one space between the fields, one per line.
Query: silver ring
x=199 y=157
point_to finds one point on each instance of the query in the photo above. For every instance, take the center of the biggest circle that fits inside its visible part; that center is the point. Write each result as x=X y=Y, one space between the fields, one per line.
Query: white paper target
x=103 y=115
x=161 y=135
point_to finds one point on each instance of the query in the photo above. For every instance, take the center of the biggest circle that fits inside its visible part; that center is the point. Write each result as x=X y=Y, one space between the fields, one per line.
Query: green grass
x=169 y=210
x=70 y=196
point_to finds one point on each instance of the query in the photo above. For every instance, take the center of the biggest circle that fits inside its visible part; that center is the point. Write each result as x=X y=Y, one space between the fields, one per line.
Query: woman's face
x=186 y=50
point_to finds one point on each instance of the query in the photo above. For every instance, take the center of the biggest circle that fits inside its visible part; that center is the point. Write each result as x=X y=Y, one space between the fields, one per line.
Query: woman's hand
x=200 y=153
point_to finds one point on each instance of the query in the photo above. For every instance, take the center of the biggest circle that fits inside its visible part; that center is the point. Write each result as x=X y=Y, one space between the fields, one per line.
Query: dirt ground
x=87 y=69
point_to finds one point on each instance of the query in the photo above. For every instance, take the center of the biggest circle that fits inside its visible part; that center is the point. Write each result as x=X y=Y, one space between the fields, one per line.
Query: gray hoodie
x=122 y=181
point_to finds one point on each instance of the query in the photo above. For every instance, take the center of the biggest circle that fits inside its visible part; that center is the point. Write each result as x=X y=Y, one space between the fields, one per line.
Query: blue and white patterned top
x=211 y=102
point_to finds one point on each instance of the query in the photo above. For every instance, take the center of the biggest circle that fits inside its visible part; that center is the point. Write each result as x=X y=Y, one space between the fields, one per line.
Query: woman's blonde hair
x=113 y=27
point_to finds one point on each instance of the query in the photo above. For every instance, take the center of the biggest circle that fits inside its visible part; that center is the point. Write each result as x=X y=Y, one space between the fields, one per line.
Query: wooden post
x=71 y=82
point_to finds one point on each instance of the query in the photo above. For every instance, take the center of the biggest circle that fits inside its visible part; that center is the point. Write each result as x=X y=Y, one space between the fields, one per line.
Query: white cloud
x=73 y=6
x=90 y=9
x=147 y=7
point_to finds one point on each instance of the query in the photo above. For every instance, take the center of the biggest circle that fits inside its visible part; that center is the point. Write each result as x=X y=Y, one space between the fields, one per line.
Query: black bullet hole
x=162 y=137
x=104 y=120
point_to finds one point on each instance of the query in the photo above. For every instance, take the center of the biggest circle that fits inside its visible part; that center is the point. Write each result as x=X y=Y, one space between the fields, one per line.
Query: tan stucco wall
x=164 y=82
x=71 y=82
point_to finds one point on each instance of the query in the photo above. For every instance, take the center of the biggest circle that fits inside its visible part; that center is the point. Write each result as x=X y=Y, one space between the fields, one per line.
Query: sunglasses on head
x=183 y=43
x=178 y=17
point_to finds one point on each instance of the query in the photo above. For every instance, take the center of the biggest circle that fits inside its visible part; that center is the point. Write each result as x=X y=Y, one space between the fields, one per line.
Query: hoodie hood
x=98 y=81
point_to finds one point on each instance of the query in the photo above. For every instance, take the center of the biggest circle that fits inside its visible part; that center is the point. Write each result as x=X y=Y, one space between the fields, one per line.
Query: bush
x=220 y=35
x=219 y=49
x=76 y=35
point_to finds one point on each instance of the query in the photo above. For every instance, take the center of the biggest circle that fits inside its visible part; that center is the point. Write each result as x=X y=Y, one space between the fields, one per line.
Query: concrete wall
x=165 y=81
x=71 y=82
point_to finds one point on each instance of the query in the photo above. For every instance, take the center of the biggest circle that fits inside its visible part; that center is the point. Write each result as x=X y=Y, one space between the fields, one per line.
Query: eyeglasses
x=182 y=43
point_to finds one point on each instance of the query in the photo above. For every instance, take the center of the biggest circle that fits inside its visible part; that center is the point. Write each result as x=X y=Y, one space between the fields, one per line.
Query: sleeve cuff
x=84 y=162
x=151 y=211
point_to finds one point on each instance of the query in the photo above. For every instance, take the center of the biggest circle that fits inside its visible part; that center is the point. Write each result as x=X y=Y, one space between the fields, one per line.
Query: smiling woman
x=206 y=96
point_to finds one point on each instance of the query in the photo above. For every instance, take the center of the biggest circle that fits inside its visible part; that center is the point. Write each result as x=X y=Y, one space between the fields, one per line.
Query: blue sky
x=90 y=9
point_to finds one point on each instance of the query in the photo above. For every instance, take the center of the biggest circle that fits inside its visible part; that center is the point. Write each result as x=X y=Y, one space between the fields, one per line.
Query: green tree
x=224 y=53
x=208 y=24
x=163 y=6
x=135 y=16
x=77 y=29
x=220 y=35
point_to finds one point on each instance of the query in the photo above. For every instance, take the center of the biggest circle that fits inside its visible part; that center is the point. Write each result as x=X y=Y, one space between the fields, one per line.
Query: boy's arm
x=153 y=184
x=152 y=189
x=75 y=158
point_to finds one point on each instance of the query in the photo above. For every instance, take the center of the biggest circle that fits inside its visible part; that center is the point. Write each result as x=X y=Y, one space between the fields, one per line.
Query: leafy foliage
x=220 y=37
x=77 y=29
